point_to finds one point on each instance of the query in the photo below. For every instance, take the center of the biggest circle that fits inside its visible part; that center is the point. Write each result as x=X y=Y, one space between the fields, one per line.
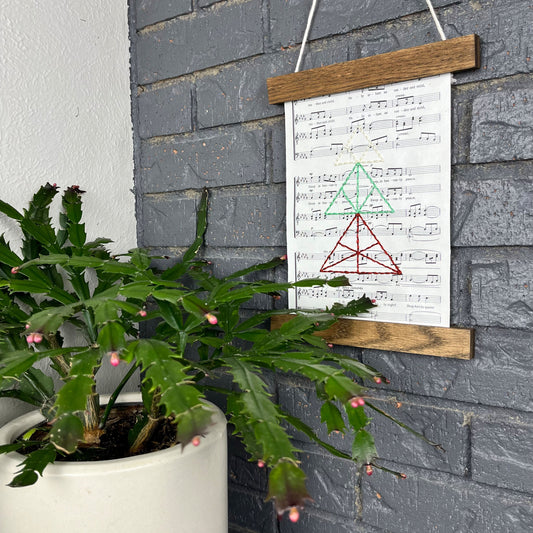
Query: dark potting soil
x=114 y=442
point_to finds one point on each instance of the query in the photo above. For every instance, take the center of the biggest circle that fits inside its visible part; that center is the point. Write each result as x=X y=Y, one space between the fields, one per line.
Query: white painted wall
x=65 y=111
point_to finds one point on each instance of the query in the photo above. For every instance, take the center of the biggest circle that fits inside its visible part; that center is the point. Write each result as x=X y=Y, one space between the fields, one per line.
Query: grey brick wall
x=202 y=118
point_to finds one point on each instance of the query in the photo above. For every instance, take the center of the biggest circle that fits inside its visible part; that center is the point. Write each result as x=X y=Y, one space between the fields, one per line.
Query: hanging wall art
x=368 y=152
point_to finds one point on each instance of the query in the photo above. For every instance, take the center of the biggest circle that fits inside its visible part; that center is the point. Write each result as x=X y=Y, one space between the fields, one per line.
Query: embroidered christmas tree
x=359 y=251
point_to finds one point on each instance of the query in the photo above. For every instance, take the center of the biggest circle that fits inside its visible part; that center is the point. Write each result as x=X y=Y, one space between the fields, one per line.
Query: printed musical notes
x=368 y=194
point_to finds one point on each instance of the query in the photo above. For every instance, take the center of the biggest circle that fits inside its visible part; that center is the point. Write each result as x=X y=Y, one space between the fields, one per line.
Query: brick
x=501 y=451
x=168 y=220
x=502 y=126
x=243 y=472
x=504 y=26
x=492 y=212
x=232 y=156
x=206 y=39
x=165 y=111
x=152 y=11
x=249 y=510
x=238 y=93
x=252 y=216
x=441 y=503
x=445 y=427
x=277 y=153
x=288 y=19
x=207 y=3
x=332 y=483
x=502 y=288
x=319 y=523
x=496 y=376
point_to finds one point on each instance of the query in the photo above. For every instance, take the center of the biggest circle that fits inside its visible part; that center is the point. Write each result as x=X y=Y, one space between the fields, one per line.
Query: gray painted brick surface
x=502 y=126
x=243 y=472
x=207 y=3
x=277 y=153
x=249 y=510
x=492 y=212
x=165 y=110
x=231 y=156
x=332 y=483
x=288 y=19
x=168 y=220
x=442 y=503
x=497 y=376
x=320 y=523
x=502 y=288
x=238 y=93
x=251 y=216
x=229 y=32
x=505 y=28
x=502 y=452
x=152 y=11
x=442 y=426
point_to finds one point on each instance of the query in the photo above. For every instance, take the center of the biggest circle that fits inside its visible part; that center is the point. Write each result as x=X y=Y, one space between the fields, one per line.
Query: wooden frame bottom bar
x=455 y=343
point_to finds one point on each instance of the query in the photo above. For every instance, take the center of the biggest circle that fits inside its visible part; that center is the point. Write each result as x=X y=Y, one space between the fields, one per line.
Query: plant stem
x=150 y=426
x=114 y=396
x=145 y=433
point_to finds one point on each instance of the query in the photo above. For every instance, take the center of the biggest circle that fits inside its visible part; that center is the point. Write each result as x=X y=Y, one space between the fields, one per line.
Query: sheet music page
x=368 y=196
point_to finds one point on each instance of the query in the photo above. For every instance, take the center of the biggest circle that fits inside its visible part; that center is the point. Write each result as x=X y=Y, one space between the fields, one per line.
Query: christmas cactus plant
x=60 y=281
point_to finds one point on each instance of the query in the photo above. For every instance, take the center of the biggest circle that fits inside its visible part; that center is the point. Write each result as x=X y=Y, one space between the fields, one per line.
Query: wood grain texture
x=453 y=55
x=455 y=343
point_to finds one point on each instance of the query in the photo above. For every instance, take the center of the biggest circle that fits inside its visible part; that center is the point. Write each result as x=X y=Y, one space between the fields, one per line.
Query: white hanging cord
x=312 y=14
x=306 y=34
x=436 y=20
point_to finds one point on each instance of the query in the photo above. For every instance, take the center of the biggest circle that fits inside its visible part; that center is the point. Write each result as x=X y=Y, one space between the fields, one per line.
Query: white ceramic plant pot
x=172 y=490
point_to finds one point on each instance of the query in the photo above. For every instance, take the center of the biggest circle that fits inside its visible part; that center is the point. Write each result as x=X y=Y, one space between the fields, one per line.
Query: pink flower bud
x=330 y=345
x=403 y=476
x=373 y=300
x=37 y=338
x=14 y=270
x=284 y=258
x=196 y=441
x=29 y=338
x=260 y=463
x=142 y=313
x=211 y=318
x=369 y=470
x=377 y=379
x=357 y=401
x=114 y=359
x=27 y=326
x=294 y=514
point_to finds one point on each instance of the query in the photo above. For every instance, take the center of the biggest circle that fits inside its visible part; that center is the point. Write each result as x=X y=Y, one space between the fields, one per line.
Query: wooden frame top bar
x=453 y=55
x=454 y=343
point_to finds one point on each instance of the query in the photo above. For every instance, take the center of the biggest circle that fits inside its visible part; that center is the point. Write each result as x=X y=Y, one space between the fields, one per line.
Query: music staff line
x=398 y=191
x=378 y=295
x=359 y=125
x=413 y=211
x=375 y=172
x=399 y=101
x=381 y=143
x=429 y=231
x=429 y=257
